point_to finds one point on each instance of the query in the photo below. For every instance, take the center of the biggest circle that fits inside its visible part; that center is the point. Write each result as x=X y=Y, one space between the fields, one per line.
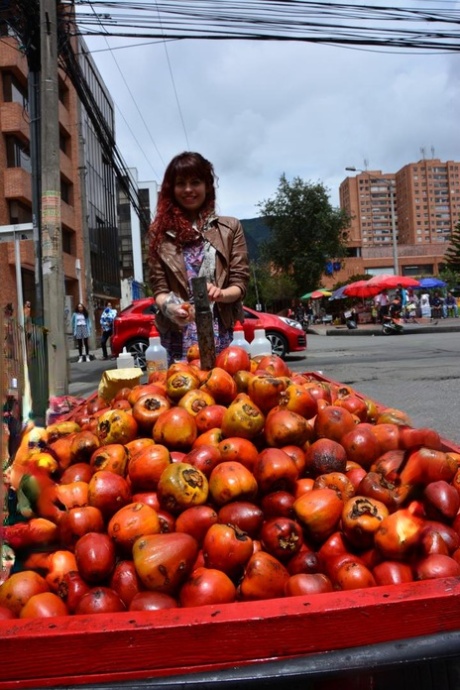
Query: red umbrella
x=388 y=281
x=361 y=288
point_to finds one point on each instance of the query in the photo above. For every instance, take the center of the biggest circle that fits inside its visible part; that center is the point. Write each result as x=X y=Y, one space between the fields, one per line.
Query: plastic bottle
x=238 y=338
x=156 y=357
x=125 y=360
x=261 y=344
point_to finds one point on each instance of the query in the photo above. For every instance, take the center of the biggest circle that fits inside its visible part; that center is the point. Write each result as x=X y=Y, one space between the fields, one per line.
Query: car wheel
x=279 y=343
x=137 y=349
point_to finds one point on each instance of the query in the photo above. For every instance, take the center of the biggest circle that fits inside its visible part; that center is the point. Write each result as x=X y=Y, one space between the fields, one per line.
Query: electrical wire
x=427 y=28
x=149 y=133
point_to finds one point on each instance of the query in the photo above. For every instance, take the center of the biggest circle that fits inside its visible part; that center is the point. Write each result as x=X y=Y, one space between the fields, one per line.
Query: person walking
x=188 y=239
x=81 y=329
x=106 y=321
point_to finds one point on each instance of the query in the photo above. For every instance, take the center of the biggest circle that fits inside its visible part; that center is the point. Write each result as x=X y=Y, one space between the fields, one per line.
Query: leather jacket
x=168 y=273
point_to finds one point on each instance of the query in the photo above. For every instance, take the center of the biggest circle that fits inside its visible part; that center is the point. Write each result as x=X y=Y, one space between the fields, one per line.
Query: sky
x=258 y=110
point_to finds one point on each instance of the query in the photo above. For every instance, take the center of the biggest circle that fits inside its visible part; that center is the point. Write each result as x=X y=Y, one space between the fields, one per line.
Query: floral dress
x=177 y=343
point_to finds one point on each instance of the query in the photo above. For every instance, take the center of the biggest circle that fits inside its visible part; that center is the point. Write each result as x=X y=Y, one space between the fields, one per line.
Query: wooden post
x=204 y=327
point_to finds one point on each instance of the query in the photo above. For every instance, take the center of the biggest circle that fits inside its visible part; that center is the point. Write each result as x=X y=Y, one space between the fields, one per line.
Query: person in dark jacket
x=189 y=239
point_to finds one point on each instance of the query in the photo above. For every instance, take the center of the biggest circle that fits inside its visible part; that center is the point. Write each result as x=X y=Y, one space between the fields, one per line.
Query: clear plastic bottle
x=261 y=345
x=239 y=339
x=125 y=360
x=156 y=357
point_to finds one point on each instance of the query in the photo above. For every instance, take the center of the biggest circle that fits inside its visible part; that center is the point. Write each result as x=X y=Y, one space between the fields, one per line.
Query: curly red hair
x=169 y=216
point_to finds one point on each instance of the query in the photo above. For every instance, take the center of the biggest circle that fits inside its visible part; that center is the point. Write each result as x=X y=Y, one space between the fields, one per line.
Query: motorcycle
x=392 y=325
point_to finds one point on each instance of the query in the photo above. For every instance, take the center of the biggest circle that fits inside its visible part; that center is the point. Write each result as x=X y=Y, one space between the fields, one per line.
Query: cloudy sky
x=260 y=109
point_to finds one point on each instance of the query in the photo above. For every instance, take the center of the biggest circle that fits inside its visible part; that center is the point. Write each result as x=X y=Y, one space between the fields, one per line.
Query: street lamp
x=392 y=214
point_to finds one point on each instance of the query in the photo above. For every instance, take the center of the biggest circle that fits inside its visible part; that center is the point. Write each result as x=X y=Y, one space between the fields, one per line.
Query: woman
x=81 y=329
x=188 y=240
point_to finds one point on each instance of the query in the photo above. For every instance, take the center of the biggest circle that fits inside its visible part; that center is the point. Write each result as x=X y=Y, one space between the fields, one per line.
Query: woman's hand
x=227 y=295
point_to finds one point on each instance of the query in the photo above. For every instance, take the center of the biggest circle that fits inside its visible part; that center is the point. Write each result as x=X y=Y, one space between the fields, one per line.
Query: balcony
x=14 y=120
x=17 y=184
x=12 y=59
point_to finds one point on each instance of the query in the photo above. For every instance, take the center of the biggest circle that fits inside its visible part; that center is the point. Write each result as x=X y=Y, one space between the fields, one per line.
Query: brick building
x=419 y=204
x=88 y=194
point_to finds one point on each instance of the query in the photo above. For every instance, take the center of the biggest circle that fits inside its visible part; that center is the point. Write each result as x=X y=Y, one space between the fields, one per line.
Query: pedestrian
x=107 y=318
x=189 y=239
x=451 y=305
x=81 y=329
x=382 y=303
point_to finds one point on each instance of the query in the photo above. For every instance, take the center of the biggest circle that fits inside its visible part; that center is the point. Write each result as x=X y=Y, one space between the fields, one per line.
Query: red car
x=132 y=327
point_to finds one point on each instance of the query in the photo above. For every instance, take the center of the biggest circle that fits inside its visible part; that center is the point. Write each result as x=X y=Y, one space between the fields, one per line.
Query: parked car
x=131 y=329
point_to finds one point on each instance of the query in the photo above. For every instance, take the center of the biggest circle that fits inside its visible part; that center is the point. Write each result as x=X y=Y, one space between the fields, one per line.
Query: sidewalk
x=450 y=325
x=94 y=354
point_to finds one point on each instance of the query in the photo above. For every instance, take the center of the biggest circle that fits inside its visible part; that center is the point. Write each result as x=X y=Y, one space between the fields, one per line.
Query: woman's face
x=190 y=194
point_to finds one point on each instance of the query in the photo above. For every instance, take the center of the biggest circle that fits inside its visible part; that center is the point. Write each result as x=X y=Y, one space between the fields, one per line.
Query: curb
x=409 y=329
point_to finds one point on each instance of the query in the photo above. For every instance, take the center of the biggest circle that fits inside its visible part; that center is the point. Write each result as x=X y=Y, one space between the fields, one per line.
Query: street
x=419 y=373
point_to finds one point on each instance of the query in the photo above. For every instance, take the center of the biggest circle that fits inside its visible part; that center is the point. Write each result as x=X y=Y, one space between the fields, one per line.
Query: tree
x=452 y=255
x=305 y=232
x=274 y=292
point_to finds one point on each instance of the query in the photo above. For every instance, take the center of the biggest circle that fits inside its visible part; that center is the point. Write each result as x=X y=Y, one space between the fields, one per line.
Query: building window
x=19 y=213
x=66 y=192
x=14 y=91
x=67 y=240
x=64 y=143
x=17 y=154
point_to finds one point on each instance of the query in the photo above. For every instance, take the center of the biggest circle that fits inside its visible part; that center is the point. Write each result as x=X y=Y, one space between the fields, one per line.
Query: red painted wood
x=109 y=648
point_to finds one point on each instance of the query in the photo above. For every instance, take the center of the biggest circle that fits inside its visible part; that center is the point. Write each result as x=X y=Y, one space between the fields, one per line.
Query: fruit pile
x=246 y=482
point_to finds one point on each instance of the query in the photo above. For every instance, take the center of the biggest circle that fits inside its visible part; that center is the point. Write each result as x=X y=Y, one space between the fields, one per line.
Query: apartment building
x=133 y=236
x=418 y=206
x=88 y=195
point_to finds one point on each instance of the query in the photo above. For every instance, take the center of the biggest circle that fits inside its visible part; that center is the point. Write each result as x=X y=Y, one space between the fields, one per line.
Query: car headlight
x=291 y=322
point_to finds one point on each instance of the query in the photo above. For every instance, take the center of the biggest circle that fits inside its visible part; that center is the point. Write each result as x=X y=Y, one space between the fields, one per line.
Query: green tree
x=452 y=255
x=305 y=232
x=273 y=292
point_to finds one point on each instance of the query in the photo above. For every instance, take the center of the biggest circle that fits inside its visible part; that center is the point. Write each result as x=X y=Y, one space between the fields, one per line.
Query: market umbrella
x=338 y=294
x=361 y=289
x=316 y=294
x=428 y=283
x=388 y=281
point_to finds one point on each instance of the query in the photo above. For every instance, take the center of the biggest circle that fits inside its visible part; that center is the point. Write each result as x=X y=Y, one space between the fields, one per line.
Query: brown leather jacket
x=168 y=271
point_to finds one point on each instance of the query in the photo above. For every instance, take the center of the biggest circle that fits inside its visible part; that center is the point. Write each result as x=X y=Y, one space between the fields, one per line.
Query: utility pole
x=53 y=274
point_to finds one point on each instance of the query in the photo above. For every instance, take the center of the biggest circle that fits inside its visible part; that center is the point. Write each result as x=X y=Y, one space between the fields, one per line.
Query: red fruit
x=303 y=584
x=233 y=359
x=264 y=578
x=72 y=588
x=319 y=511
x=175 y=429
x=248 y=517
x=152 y=601
x=282 y=537
x=95 y=556
x=333 y=422
x=196 y=521
x=100 y=600
x=109 y=492
x=210 y=417
x=207 y=586
x=361 y=445
x=131 y=522
x=323 y=456
x=164 y=561
x=275 y=470
x=227 y=548
x=125 y=582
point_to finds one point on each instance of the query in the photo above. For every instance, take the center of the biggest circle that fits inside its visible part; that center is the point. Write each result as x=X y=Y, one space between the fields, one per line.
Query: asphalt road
x=419 y=373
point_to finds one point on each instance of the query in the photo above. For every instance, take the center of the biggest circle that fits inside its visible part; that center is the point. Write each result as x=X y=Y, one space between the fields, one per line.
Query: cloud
x=260 y=109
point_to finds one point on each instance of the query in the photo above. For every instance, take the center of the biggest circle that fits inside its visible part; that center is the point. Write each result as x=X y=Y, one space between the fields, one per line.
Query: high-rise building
x=404 y=218
x=132 y=232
